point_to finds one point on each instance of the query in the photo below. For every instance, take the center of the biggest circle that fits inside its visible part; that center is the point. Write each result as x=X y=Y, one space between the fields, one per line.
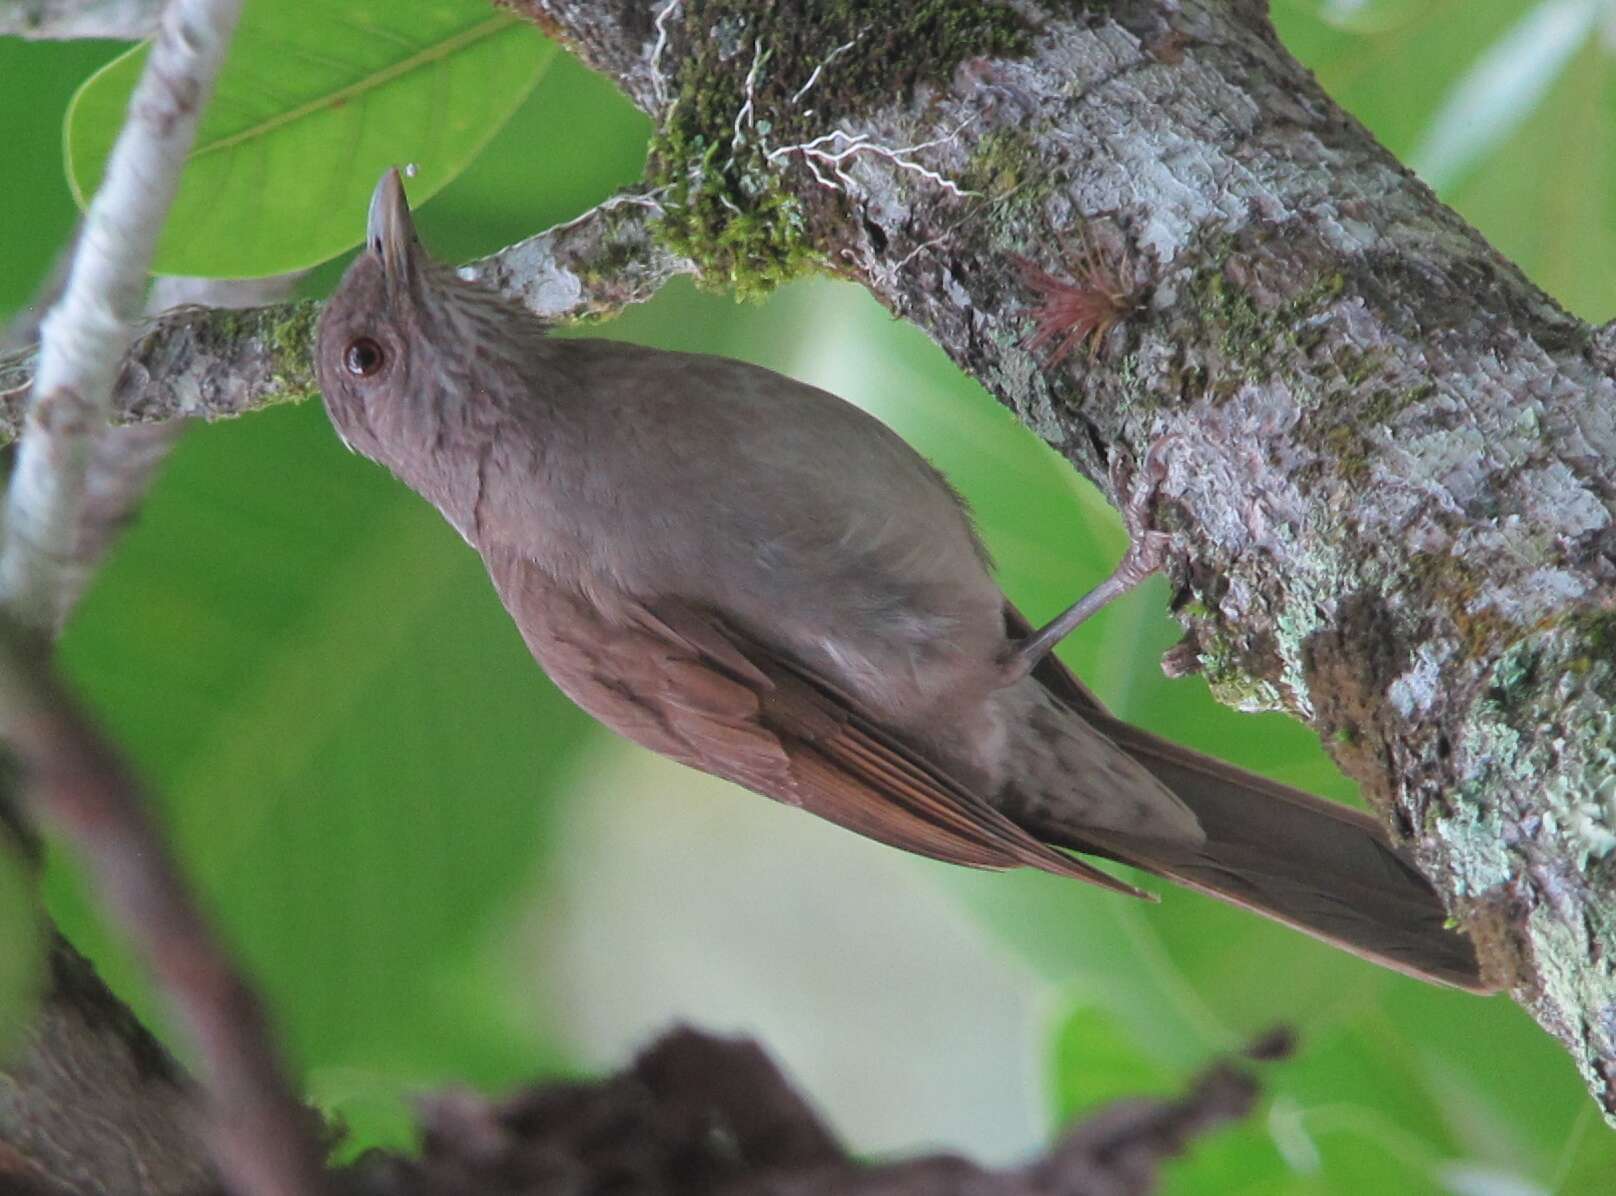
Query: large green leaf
x=315 y=101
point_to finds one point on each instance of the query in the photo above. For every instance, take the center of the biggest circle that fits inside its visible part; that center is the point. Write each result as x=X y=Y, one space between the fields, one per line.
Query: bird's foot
x=1135 y=493
x=1147 y=549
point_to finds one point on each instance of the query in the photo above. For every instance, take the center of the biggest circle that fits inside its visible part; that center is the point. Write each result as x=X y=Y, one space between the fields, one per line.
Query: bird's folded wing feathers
x=675 y=678
x=849 y=771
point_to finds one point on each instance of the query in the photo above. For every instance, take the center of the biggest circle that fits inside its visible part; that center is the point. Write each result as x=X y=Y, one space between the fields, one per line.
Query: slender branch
x=60 y=20
x=85 y=335
x=215 y=364
x=263 y=1137
x=208 y=363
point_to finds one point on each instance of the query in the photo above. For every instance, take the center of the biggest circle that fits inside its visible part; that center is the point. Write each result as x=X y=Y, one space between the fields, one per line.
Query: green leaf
x=20 y=948
x=315 y=101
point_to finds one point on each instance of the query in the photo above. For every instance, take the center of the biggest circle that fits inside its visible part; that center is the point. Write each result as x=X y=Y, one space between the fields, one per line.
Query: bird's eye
x=364 y=357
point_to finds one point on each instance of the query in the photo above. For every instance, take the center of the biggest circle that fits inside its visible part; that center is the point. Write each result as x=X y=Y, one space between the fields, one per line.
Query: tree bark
x=1392 y=459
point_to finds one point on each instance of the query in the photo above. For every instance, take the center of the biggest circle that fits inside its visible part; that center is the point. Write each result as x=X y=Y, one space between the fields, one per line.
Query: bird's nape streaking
x=758 y=579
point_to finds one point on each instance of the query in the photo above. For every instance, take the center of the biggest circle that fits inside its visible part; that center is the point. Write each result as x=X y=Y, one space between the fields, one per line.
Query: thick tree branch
x=1392 y=484
x=214 y=364
x=84 y=336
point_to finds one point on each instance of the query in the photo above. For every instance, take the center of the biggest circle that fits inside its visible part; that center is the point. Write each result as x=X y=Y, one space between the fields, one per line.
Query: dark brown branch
x=92 y=1102
x=264 y=1139
x=703 y=1116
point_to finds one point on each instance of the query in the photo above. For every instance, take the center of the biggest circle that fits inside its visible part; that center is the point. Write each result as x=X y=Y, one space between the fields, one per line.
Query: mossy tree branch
x=1393 y=466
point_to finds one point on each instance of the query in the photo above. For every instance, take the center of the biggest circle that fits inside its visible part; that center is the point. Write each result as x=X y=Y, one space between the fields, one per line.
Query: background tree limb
x=265 y=1142
x=708 y=1116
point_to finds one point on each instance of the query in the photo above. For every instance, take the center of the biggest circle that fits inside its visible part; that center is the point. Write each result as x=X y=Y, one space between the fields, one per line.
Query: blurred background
x=439 y=871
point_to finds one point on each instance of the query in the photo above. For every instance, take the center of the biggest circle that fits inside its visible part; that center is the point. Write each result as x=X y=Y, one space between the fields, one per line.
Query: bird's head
x=403 y=342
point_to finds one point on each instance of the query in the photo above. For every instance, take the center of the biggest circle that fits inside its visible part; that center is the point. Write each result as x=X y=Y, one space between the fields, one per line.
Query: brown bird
x=761 y=581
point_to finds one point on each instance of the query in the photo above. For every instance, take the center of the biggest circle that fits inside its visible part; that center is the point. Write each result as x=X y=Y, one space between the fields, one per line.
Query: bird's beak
x=390 y=232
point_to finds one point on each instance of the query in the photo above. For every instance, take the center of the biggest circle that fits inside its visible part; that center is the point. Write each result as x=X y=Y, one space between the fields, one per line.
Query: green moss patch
x=726 y=207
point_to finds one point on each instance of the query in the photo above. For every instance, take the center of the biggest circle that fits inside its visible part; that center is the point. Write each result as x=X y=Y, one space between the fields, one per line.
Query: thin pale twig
x=84 y=337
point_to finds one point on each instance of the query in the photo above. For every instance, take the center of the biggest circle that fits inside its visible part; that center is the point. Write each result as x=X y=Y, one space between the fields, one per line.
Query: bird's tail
x=1316 y=865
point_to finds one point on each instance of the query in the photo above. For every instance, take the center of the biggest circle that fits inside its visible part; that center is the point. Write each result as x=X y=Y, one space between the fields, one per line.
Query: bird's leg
x=1146 y=551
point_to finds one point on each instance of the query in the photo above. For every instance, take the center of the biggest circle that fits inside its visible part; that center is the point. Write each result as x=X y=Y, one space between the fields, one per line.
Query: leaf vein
x=369 y=83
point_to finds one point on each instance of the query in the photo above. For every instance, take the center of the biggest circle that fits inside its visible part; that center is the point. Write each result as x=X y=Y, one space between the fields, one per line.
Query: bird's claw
x=1147 y=549
x=1136 y=494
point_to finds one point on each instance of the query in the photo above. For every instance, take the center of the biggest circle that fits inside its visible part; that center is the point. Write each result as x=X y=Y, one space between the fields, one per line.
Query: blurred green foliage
x=365 y=772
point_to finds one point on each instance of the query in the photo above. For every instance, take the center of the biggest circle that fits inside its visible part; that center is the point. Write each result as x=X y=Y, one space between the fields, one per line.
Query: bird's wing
x=675 y=678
